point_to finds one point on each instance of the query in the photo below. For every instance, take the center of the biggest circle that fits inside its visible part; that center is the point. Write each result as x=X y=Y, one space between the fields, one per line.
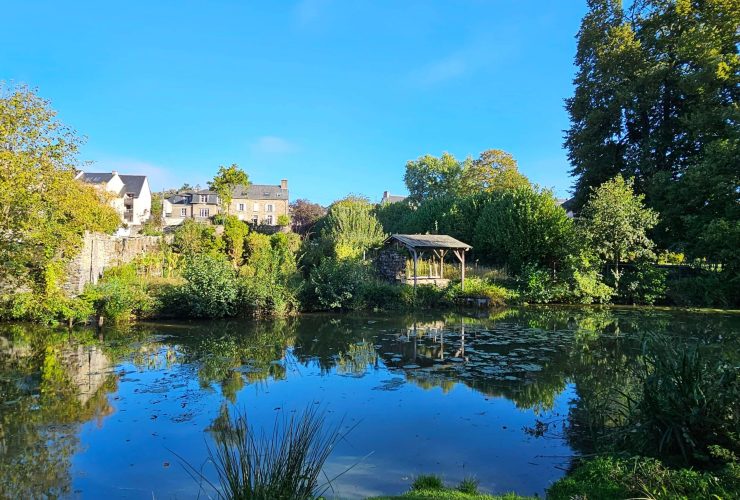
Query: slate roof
x=131 y=183
x=393 y=198
x=429 y=241
x=261 y=192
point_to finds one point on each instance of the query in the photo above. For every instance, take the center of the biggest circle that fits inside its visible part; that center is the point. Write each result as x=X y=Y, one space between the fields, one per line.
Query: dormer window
x=204 y=198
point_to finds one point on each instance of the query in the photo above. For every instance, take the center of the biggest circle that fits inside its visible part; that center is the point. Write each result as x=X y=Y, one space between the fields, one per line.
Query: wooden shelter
x=435 y=245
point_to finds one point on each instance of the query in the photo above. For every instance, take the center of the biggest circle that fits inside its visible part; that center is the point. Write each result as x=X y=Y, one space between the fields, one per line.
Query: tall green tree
x=429 y=176
x=351 y=228
x=44 y=210
x=616 y=222
x=493 y=170
x=656 y=100
x=226 y=181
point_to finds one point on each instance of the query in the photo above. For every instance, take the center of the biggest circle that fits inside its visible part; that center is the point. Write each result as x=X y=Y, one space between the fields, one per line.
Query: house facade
x=257 y=204
x=390 y=198
x=131 y=195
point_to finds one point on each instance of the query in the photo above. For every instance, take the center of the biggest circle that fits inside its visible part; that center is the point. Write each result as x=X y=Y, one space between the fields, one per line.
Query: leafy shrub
x=379 y=295
x=478 y=287
x=235 y=233
x=616 y=478
x=708 y=289
x=643 y=283
x=46 y=309
x=211 y=289
x=336 y=284
x=193 y=238
x=119 y=294
x=427 y=482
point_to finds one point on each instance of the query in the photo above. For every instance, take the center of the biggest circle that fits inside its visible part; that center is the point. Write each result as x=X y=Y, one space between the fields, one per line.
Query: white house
x=132 y=197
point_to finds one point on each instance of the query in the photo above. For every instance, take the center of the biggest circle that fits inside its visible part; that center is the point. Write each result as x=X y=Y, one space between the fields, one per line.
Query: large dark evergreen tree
x=657 y=99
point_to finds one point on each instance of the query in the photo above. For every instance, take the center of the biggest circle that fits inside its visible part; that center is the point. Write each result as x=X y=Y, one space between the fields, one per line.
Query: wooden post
x=415 y=259
x=462 y=270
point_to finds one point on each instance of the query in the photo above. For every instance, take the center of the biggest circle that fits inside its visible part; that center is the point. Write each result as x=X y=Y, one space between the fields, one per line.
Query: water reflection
x=506 y=397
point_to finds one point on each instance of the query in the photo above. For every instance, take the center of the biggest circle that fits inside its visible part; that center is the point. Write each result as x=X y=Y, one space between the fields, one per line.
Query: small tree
x=494 y=169
x=225 y=181
x=616 y=222
x=352 y=228
x=304 y=215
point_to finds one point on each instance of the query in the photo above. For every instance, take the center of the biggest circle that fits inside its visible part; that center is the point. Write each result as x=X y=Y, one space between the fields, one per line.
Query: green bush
x=608 y=478
x=336 y=284
x=192 y=238
x=708 y=289
x=45 y=309
x=643 y=283
x=211 y=289
x=478 y=287
x=468 y=485
x=119 y=294
x=379 y=295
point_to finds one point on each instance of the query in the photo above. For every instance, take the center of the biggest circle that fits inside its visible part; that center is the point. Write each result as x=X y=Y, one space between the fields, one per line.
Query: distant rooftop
x=131 y=183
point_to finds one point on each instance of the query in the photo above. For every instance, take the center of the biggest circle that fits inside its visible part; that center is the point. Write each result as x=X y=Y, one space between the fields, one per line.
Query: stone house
x=258 y=204
x=131 y=195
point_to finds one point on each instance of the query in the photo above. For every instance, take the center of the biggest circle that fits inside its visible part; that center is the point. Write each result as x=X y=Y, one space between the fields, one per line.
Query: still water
x=499 y=397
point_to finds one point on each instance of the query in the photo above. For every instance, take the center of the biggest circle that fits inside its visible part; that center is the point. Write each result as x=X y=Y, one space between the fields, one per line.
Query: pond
x=498 y=397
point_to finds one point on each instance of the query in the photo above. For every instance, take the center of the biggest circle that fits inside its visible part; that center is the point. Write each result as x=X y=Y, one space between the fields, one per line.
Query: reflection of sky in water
x=398 y=430
x=450 y=396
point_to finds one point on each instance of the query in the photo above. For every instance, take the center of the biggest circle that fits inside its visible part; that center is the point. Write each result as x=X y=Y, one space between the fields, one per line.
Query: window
x=183 y=212
x=205 y=212
x=256 y=207
x=269 y=219
x=255 y=220
x=241 y=207
x=268 y=208
x=204 y=198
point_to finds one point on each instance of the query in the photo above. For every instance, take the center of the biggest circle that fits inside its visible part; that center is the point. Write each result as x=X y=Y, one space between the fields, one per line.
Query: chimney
x=284 y=184
x=114 y=172
x=386 y=194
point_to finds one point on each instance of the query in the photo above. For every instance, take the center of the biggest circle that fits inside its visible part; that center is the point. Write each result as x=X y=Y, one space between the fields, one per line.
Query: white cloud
x=270 y=144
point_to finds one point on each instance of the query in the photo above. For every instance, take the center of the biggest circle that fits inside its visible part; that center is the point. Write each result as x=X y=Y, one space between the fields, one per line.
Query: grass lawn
x=447 y=493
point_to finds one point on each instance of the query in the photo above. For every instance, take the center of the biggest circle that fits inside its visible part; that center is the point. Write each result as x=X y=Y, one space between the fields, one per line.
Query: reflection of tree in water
x=356 y=359
x=49 y=384
x=232 y=354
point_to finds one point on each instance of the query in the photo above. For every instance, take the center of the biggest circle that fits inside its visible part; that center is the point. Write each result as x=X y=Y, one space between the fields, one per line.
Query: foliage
x=468 y=485
x=48 y=309
x=351 y=228
x=235 y=233
x=119 y=294
x=450 y=494
x=225 y=181
x=705 y=289
x=429 y=176
x=154 y=224
x=643 y=283
x=304 y=215
x=270 y=280
x=211 y=289
x=283 y=220
x=494 y=170
x=335 y=284
x=688 y=402
x=427 y=482
x=656 y=99
x=193 y=238
x=44 y=210
x=616 y=222
x=285 y=464
x=615 y=478
x=523 y=226
x=477 y=287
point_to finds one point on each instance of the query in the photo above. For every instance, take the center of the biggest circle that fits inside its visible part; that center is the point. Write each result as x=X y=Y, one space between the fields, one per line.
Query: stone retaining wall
x=101 y=251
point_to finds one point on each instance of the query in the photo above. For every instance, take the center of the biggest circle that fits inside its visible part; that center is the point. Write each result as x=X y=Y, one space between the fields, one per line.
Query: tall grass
x=285 y=464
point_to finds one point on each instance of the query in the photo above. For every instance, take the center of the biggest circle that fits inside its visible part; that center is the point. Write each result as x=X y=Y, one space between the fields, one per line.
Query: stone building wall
x=101 y=251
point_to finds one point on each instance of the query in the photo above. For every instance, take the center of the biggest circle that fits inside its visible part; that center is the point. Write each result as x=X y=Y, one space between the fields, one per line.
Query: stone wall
x=101 y=251
x=391 y=265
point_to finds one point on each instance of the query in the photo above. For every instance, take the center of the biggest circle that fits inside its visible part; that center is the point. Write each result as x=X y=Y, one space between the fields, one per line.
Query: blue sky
x=334 y=95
